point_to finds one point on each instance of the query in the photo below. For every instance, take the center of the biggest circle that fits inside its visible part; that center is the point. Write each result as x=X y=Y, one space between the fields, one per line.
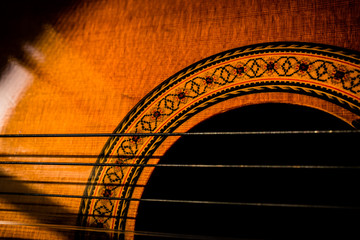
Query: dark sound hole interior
x=325 y=187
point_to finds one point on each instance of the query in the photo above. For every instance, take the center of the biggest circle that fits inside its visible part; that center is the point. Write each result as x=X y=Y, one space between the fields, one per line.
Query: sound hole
x=325 y=187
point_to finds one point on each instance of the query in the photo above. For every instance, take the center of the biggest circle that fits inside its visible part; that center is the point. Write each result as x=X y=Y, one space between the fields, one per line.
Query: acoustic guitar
x=160 y=120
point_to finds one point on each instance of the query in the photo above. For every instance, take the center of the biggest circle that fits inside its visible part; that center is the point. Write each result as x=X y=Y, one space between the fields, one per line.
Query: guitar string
x=162 y=134
x=252 y=204
x=165 y=134
x=161 y=234
x=57 y=214
x=178 y=165
x=175 y=165
x=116 y=231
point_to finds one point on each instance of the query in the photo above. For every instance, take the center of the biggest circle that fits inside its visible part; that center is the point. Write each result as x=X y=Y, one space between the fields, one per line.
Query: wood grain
x=92 y=66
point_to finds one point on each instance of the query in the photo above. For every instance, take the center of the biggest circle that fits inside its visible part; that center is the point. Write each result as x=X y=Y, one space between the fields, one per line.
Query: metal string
x=56 y=214
x=156 y=234
x=177 y=165
x=249 y=204
x=140 y=233
x=52 y=135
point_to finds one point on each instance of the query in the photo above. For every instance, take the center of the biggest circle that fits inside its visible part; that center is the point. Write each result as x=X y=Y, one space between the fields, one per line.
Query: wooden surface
x=87 y=70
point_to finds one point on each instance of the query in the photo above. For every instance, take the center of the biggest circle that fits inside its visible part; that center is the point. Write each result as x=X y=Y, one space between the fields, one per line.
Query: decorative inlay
x=321 y=71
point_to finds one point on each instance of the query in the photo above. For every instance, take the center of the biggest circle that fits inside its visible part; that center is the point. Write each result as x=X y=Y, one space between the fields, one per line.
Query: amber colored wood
x=91 y=68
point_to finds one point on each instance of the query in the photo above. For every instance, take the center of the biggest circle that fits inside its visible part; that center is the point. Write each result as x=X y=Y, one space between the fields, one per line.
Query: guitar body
x=153 y=67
